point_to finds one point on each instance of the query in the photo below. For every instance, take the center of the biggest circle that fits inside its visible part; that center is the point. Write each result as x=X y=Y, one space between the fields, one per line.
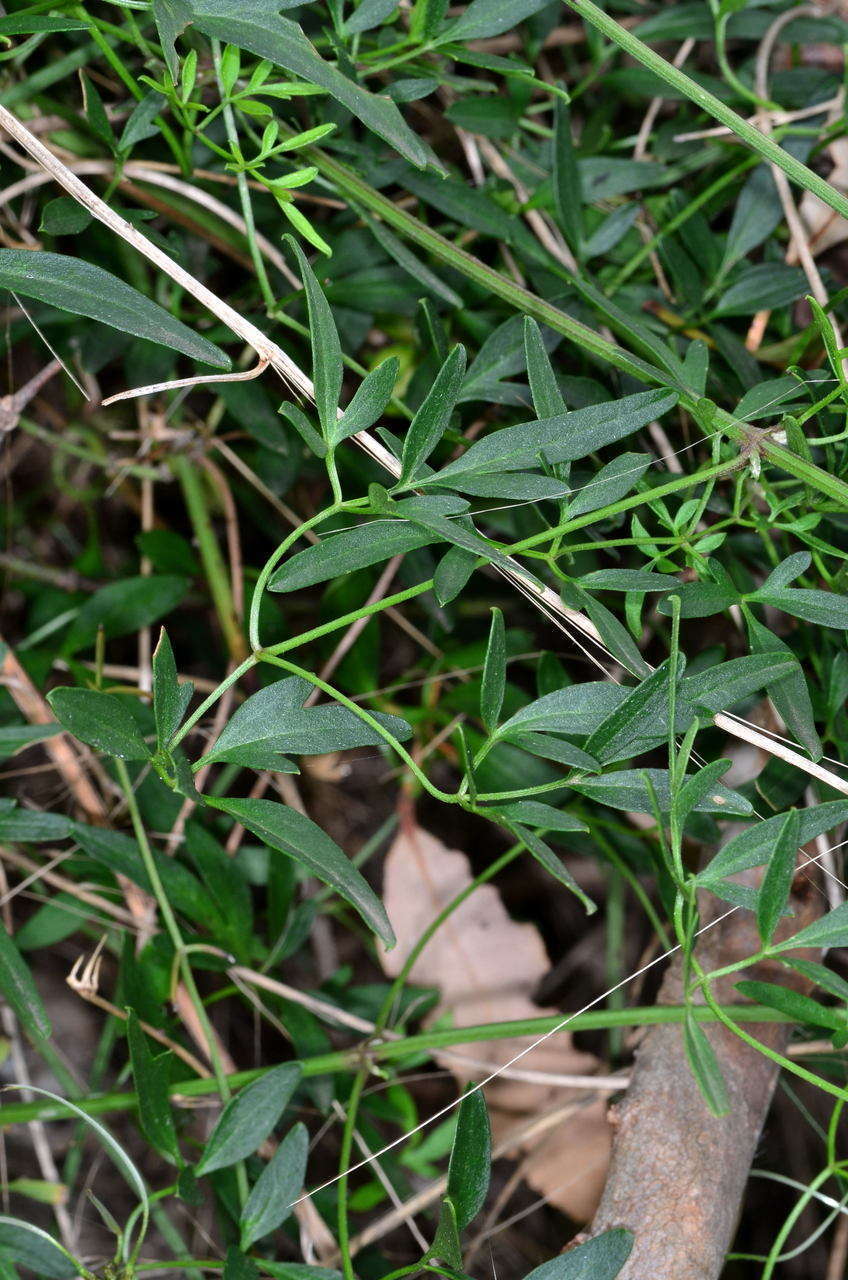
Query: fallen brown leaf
x=486 y=967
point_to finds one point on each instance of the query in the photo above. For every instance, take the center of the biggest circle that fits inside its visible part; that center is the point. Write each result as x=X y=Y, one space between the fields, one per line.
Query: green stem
x=210 y=555
x=173 y=930
x=277 y=555
x=343 y=1228
x=447 y=797
x=389 y=1050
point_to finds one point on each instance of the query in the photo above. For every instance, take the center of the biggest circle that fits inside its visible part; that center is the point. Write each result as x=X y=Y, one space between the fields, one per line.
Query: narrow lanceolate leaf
x=99 y=719
x=753 y=847
x=297 y=836
x=170 y=698
x=547 y=398
x=352 y=549
x=279 y=1184
x=369 y=400
x=430 y=422
x=470 y=1160
x=327 y=367
x=564 y=438
x=822 y=608
x=274 y=721
x=14 y=737
x=86 y=290
x=554 y=866
x=628 y=789
x=794 y=1004
x=22 y=1244
x=494 y=673
x=19 y=990
x=830 y=931
x=248 y=1118
x=637 y=715
x=534 y=813
x=599 y=1259
x=568 y=198
x=777 y=881
x=150 y=1075
x=704 y=1066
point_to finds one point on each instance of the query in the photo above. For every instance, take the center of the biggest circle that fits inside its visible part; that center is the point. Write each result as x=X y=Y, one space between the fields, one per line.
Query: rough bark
x=678 y=1173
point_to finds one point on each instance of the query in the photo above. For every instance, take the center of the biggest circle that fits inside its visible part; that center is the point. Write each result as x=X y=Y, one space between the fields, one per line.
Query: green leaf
x=627 y=789
x=577 y=709
x=777 y=881
x=727 y=683
x=546 y=857
x=225 y=881
x=704 y=1066
x=447 y=1246
x=298 y=837
x=369 y=14
x=25 y=1245
x=100 y=719
x=536 y=814
x=755 y=215
x=767 y=285
x=452 y=574
x=485 y=18
x=599 y=1259
x=696 y=787
x=86 y=290
x=790 y=694
x=19 y=990
x=828 y=932
x=628 y=580
x=151 y=1085
x=799 y=1007
x=369 y=400
x=274 y=721
x=701 y=599
x=346 y=552
x=567 y=184
x=171 y=18
x=494 y=673
x=821 y=977
x=753 y=847
x=327 y=366
x=561 y=439
x=124 y=607
x=637 y=715
x=15 y=737
x=547 y=398
x=260 y=29
x=470 y=1159
x=279 y=1184
x=248 y=1118
x=170 y=698
x=822 y=608
x=611 y=482
x=33 y=826
x=430 y=422
x=64 y=216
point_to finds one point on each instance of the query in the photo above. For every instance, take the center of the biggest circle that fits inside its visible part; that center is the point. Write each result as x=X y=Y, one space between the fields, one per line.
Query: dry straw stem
x=542 y=596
